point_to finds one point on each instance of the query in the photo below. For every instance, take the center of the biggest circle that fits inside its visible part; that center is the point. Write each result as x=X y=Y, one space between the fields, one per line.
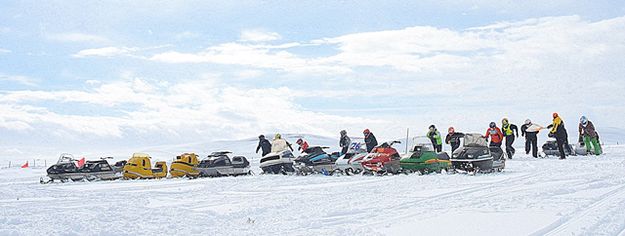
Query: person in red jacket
x=303 y=145
x=495 y=135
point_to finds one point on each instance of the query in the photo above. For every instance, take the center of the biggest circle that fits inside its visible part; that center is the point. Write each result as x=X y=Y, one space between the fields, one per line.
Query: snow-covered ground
x=579 y=196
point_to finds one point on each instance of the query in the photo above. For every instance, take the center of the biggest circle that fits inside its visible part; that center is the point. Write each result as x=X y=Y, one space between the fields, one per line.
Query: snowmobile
x=220 y=164
x=185 y=166
x=350 y=162
x=315 y=160
x=476 y=156
x=66 y=169
x=550 y=148
x=280 y=162
x=423 y=159
x=383 y=159
x=140 y=167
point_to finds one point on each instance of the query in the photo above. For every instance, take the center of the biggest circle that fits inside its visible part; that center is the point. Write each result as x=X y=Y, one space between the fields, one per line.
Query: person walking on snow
x=370 y=140
x=589 y=134
x=495 y=135
x=530 y=131
x=303 y=145
x=509 y=132
x=263 y=144
x=280 y=144
x=344 y=142
x=559 y=132
x=435 y=138
x=453 y=138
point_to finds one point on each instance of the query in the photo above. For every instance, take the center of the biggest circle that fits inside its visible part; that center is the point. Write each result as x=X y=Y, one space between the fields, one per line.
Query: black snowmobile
x=66 y=169
x=476 y=156
x=550 y=148
x=220 y=164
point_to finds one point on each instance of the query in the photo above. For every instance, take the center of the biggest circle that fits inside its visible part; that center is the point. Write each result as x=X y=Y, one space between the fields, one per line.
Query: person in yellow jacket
x=558 y=131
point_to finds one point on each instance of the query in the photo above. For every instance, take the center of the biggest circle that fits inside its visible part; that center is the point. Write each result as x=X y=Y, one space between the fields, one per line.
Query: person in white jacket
x=279 y=144
x=530 y=131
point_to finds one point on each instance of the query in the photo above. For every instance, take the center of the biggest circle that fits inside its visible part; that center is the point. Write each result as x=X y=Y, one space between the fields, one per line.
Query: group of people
x=588 y=137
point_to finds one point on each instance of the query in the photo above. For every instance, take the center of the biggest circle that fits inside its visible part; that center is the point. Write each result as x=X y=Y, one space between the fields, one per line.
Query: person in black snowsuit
x=530 y=131
x=370 y=140
x=263 y=144
x=344 y=142
x=453 y=138
x=509 y=132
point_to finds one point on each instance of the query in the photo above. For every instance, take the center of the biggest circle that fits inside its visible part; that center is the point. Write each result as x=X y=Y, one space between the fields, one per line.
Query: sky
x=105 y=74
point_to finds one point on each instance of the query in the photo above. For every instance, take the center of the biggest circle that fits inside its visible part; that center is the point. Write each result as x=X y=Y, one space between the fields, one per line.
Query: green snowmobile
x=423 y=159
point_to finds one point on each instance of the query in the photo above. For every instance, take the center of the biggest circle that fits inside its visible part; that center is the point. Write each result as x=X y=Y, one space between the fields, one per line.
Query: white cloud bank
x=74 y=37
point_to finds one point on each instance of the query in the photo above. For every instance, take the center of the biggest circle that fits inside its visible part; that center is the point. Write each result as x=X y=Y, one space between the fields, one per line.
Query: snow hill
x=577 y=196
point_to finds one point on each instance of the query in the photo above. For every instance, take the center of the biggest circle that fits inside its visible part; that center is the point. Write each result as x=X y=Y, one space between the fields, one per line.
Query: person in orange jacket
x=495 y=135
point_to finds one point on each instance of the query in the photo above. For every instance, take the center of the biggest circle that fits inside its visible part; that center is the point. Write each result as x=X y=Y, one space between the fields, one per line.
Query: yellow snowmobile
x=140 y=167
x=185 y=165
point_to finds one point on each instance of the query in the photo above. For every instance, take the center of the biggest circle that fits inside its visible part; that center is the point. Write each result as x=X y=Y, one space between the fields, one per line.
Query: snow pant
x=494 y=144
x=561 y=141
x=454 y=146
x=344 y=150
x=438 y=147
x=531 y=143
x=594 y=142
x=509 y=149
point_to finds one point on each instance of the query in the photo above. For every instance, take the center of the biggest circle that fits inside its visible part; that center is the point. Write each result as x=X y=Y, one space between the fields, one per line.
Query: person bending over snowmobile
x=370 y=140
x=344 y=142
x=495 y=135
x=453 y=138
x=509 y=132
x=559 y=132
x=263 y=144
x=303 y=145
x=435 y=138
x=280 y=144
x=530 y=131
x=589 y=134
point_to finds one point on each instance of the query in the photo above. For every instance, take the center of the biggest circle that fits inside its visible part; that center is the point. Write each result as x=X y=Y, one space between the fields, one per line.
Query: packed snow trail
x=577 y=196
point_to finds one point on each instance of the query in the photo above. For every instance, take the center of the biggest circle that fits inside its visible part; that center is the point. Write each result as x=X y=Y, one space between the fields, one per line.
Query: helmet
x=528 y=121
x=343 y=132
x=555 y=114
x=366 y=131
x=432 y=127
x=299 y=141
x=451 y=130
x=278 y=136
x=492 y=125
x=504 y=121
x=261 y=136
x=583 y=120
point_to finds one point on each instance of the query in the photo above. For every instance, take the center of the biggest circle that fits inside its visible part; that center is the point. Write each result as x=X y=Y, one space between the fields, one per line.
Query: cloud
x=4 y=51
x=20 y=79
x=258 y=35
x=74 y=37
x=105 y=52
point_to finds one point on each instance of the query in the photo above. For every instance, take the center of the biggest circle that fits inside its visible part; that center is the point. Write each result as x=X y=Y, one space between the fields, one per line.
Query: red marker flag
x=81 y=162
x=25 y=165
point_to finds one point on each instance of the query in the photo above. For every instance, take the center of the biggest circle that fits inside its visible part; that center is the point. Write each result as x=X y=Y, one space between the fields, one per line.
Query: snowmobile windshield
x=475 y=140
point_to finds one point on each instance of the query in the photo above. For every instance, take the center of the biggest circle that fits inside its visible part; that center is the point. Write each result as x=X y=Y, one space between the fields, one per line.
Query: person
x=344 y=142
x=509 y=132
x=370 y=140
x=263 y=144
x=495 y=135
x=303 y=145
x=559 y=132
x=589 y=134
x=435 y=138
x=530 y=131
x=280 y=144
x=453 y=138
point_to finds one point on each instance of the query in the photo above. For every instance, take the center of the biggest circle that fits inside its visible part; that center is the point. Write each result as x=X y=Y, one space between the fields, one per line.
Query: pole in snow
x=407 y=134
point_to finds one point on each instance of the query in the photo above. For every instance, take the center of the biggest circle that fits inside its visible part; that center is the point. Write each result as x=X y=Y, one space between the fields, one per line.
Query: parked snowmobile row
x=139 y=166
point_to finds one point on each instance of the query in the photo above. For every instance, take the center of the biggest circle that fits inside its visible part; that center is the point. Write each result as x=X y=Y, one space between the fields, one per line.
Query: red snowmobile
x=382 y=159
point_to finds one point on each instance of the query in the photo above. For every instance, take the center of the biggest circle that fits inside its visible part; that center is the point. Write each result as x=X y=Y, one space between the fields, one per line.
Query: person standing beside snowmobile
x=530 y=131
x=263 y=144
x=280 y=144
x=495 y=135
x=589 y=134
x=509 y=132
x=344 y=142
x=370 y=140
x=453 y=138
x=559 y=132
x=303 y=145
x=435 y=138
